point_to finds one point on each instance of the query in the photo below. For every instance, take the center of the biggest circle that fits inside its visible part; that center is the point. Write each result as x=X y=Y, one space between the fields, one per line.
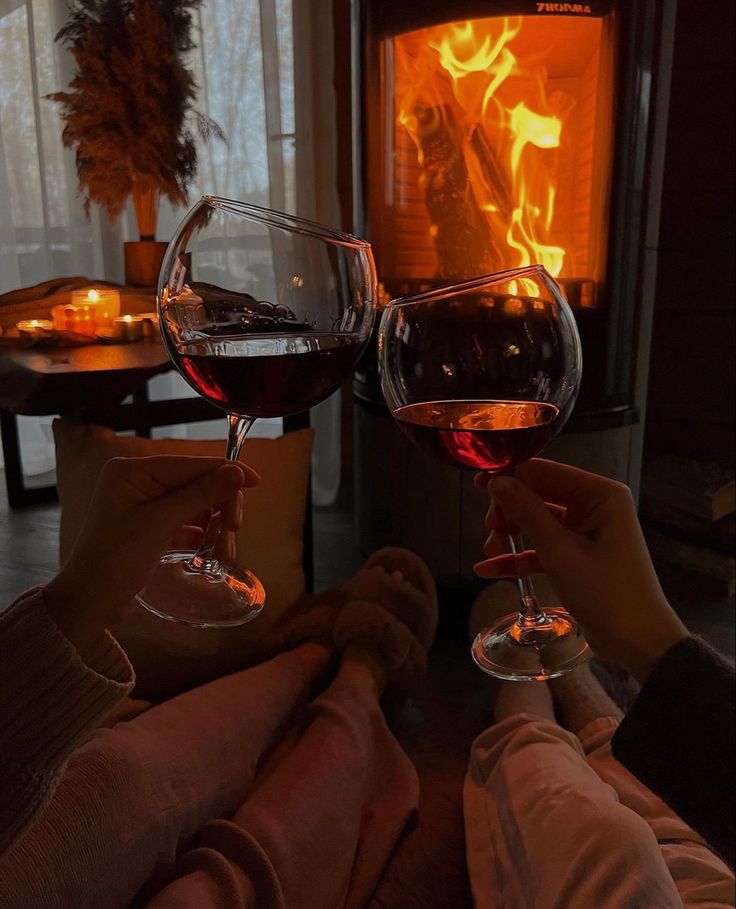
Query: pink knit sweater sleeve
x=50 y=700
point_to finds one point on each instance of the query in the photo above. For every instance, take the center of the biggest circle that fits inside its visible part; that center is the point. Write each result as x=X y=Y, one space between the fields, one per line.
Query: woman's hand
x=139 y=506
x=588 y=541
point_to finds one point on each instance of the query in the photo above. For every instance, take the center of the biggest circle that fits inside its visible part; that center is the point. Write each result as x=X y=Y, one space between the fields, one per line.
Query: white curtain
x=244 y=67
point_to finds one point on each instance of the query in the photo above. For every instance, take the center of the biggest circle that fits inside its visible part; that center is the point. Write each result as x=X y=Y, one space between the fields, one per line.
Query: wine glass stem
x=531 y=613
x=203 y=559
x=237 y=430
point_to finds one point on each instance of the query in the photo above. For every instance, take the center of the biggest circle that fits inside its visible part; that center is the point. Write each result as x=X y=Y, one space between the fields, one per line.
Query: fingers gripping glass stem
x=551 y=641
x=204 y=559
x=531 y=614
x=195 y=587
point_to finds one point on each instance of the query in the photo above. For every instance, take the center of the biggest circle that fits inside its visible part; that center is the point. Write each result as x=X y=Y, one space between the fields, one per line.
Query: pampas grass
x=129 y=109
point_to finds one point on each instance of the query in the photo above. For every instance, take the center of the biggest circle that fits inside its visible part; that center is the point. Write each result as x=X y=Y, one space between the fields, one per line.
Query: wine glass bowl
x=506 y=343
x=264 y=315
x=483 y=374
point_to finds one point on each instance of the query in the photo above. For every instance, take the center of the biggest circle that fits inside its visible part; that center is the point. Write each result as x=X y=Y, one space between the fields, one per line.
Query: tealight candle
x=105 y=301
x=128 y=328
x=81 y=320
x=35 y=328
x=150 y=324
x=58 y=314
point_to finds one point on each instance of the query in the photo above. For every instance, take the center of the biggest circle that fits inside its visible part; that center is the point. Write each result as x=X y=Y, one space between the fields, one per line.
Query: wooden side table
x=86 y=384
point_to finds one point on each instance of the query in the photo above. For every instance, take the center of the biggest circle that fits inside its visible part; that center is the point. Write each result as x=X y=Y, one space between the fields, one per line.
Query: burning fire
x=467 y=92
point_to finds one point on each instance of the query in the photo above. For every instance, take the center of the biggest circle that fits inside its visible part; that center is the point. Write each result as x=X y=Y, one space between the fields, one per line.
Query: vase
x=143 y=257
x=145 y=202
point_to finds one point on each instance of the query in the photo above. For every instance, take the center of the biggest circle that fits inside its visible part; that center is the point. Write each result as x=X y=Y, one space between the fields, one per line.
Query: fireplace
x=494 y=134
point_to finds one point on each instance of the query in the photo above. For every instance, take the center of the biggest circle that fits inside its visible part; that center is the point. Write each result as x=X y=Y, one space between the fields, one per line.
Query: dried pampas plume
x=129 y=109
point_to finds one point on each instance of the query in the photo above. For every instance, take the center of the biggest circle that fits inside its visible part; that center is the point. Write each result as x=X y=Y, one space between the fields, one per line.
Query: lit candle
x=58 y=314
x=105 y=301
x=128 y=328
x=35 y=328
x=81 y=320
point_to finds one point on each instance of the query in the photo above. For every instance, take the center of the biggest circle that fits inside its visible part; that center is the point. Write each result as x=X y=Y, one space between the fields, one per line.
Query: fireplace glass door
x=496 y=148
x=490 y=145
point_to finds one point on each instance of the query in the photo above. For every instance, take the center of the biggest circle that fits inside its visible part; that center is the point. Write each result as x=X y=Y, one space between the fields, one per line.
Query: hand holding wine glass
x=483 y=374
x=588 y=541
x=138 y=507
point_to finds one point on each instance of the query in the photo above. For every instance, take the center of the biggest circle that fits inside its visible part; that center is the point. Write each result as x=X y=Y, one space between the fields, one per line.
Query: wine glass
x=483 y=374
x=264 y=315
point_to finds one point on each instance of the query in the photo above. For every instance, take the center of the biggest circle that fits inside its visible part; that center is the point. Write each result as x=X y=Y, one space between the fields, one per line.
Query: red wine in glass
x=480 y=435
x=268 y=375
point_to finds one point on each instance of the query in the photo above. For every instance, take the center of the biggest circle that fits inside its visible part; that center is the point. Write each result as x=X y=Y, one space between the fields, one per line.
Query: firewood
x=717 y=535
x=492 y=171
x=679 y=563
x=462 y=237
x=706 y=491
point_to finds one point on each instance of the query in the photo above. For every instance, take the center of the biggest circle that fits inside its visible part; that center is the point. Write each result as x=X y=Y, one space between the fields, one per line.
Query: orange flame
x=491 y=88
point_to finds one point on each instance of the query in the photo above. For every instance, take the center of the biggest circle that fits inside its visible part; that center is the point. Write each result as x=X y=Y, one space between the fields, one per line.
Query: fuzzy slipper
x=316 y=624
x=393 y=644
x=389 y=605
x=369 y=625
x=393 y=612
x=401 y=582
x=311 y=618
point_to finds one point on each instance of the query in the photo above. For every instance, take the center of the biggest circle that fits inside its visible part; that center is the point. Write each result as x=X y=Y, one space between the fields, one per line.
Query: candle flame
x=93 y=296
x=127 y=318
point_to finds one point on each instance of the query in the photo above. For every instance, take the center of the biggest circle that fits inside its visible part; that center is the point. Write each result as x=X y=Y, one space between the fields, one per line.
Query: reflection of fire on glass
x=502 y=132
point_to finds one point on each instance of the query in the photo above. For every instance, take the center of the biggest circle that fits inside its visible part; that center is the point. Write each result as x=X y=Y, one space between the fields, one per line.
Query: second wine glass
x=483 y=374
x=264 y=315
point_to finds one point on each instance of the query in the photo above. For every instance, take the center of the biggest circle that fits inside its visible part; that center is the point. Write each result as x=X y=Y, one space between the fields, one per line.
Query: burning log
x=495 y=181
x=461 y=234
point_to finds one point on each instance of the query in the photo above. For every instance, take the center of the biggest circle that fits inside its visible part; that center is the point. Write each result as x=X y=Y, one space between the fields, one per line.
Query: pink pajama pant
x=553 y=821
x=246 y=792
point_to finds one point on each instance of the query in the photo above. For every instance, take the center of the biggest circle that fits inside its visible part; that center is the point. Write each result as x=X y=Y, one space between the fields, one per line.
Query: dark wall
x=692 y=373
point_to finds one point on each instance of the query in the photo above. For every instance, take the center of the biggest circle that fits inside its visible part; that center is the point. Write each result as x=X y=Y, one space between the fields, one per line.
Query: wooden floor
x=29 y=545
x=29 y=555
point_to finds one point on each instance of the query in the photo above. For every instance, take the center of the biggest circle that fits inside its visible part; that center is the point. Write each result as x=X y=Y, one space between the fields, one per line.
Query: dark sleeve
x=678 y=739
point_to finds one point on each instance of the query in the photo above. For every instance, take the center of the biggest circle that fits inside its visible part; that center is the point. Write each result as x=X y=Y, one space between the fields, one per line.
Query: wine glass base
x=224 y=597
x=544 y=651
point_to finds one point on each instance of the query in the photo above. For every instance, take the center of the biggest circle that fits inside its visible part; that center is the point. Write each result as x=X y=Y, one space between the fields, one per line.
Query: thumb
x=183 y=504
x=529 y=512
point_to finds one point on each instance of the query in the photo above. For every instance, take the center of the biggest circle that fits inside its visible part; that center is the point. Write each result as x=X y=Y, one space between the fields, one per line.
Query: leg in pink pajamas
x=325 y=814
x=552 y=822
x=701 y=878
